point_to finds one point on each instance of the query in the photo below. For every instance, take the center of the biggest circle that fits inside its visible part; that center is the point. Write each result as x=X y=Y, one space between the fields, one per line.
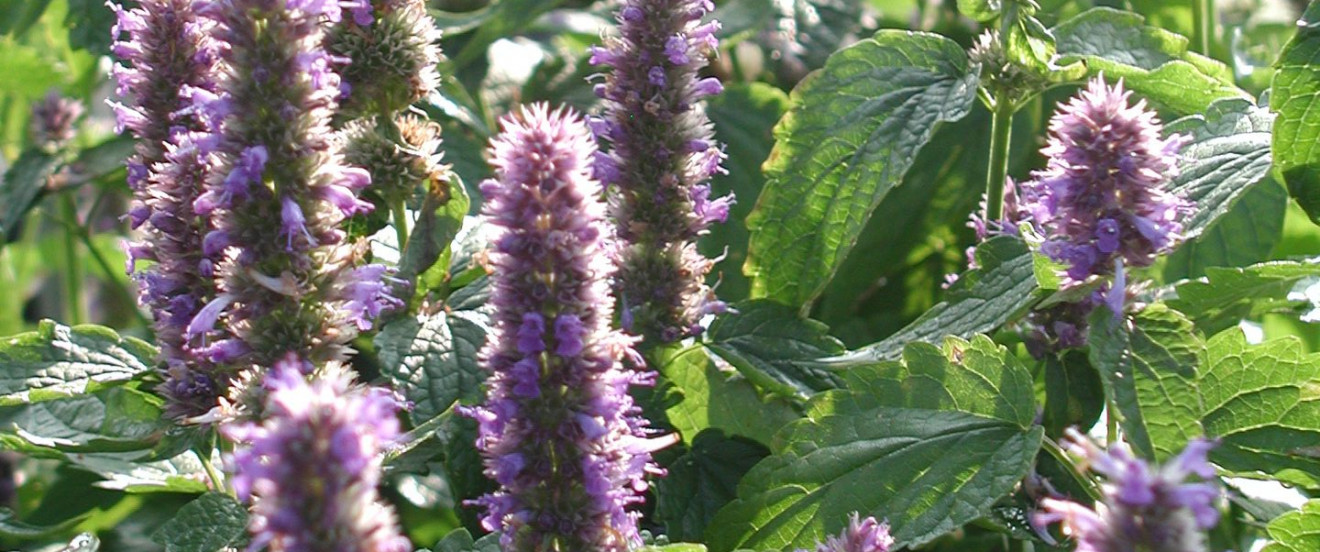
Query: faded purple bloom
x=168 y=60
x=558 y=431
x=1145 y=508
x=661 y=159
x=861 y=535
x=392 y=48
x=53 y=118
x=314 y=462
x=280 y=190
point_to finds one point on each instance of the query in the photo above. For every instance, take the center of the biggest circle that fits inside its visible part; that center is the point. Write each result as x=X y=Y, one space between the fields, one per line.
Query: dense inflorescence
x=170 y=61
x=53 y=120
x=1144 y=508
x=314 y=463
x=861 y=535
x=558 y=431
x=392 y=45
x=288 y=281
x=396 y=166
x=662 y=155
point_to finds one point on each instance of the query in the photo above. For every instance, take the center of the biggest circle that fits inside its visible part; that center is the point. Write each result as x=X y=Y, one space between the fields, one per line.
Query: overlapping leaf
x=1294 y=94
x=57 y=361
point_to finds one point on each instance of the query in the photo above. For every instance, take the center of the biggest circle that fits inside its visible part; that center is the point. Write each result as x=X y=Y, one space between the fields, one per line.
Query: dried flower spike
x=393 y=50
x=1144 y=508
x=558 y=431
x=663 y=154
x=314 y=462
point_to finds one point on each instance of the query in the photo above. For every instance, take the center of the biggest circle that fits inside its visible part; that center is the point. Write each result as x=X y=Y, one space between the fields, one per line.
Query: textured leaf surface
x=852 y=131
x=1294 y=95
x=208 y=524
x=884 y=450
x=1148 y=368
x=715 y=398
x=433 y=360
x=776 y=349
x=1229 y=153
x=461 y=541
x=1245 y=235
x=702 y=481
x=1227 y=295
x=1297 y=531
x=57 y=361
x=112 y=420
x=1153 y=62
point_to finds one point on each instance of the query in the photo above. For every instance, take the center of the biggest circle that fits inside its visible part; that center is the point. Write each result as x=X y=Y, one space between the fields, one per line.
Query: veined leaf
x=715 y=399
x=775 y=349
x=209 y=524
x=1297 y=531
x=1227 y=295
x=702 y=481
x=433 y=360
x=1293 y=95
x=59 y=361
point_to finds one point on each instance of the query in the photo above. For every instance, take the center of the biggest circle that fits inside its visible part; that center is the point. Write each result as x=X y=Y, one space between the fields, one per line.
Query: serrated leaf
x=1297 y=531
x=775 y=349
x=714 y=398
x=982 y=300
x=885 y=450
x=58 y=361
x=1229 y=153
x=118 y=419
x=461 y=541
x=852 y=131
x=1246 y=234
x=23 y=183
x=1153 y=62
x=702 y=481
x=433 y=360
x=1293 y=96
x=1148 y=367
x=1228 y=294
x=209 y=524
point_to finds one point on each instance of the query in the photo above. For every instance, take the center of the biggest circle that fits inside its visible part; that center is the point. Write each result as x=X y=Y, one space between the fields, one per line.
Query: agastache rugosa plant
x=288 y=280
x=314 y=462
x=392 y=52
x=53 y=120
x=662 y=155
x=1145 y=508
x=861 y=535
x=558 y=431
x=170 y=60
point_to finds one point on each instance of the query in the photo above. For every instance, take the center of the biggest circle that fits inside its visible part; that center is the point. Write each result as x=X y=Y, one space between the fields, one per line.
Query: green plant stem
x=73 y=273
x=204 y=455
x=1056 y=451
x=1203 y=15
x=1111 y=424
x=400 y=225
x=1001 y=133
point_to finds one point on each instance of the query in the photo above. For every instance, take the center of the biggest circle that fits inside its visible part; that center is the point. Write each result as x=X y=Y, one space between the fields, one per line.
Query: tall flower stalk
x=288 y=281
x=170 y=60
x=662 y=156
x=558 y=431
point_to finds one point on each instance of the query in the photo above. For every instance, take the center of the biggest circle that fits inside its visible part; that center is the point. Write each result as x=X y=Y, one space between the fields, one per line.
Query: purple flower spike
x=558 y=431
x=662 y=156
x=281 y=189
x=861 y=535
x=314 y=463
x=53 y=120
x=1144 y=508
x=168 y=60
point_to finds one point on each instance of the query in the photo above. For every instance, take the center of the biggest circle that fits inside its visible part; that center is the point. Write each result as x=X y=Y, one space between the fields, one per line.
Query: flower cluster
x=558 y=431
x=396 y=165
x=392 y=45
x=53 y=118
x=861 y=535
x=288 y=281
x=1144 y=508
x=662 y=155
x=314 y=464
x=1100 y=201
x=170 y=60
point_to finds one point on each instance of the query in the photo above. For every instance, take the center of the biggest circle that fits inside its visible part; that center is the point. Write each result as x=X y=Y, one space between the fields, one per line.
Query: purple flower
x=314 y=462
x=281 y=189
x=558 y=431
x=1144 y=507
x=861 y=535
x=53 y=118
x=392 y=48
x=662 y=156
x=168 y=61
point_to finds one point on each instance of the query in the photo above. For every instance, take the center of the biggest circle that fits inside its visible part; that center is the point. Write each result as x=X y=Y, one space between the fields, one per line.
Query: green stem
x=1088 y=484
x=204 y=455
x=1001 y=133
x=400 y=209
x=73 y=273
x=1111 y=424
x=1203 y=16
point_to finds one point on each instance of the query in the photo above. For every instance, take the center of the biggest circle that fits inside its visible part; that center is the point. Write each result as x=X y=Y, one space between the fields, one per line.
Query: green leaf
x=15 y=529
x=89 y=23
x=1153 y=62
x=461 y=541
x=1246 y=234
x=209 y=524
x=117 y=419
x=59 y=361
x=1297 y=531
x=702 y=481
x=440 y=220
x=679 y=547
x=714 y=398
x=1261 y=402
x=981 y=10
x=982 y=300
x=433 y=360
x=24 y=182
x=744 y=117
x=1074 y=396
x=1293 y=96
x=127 y=473
x=930 y=445
x=851 y=133
x=1148 y=367
x=1229 y=153
x=775 y=349
x=1227 y=294
x=504 y=18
